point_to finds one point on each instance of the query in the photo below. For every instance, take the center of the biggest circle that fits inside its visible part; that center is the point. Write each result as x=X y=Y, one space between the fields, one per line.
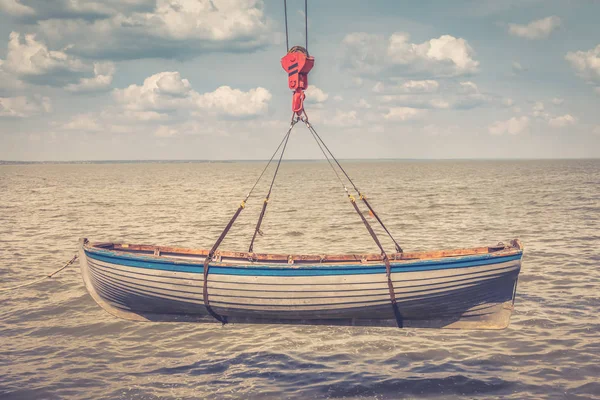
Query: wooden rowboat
x=466 y=289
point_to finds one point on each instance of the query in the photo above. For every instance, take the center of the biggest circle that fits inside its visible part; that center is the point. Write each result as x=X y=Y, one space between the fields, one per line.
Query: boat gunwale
x=228 y=258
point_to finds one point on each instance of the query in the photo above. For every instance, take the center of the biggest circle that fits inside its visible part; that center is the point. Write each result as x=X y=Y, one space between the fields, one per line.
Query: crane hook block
x=297 y=63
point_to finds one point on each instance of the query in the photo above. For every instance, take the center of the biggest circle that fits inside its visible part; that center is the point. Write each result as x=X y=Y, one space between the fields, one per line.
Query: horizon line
x=124 y=161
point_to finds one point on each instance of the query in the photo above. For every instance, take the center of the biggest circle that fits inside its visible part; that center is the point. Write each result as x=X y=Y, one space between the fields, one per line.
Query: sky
x=202 y=80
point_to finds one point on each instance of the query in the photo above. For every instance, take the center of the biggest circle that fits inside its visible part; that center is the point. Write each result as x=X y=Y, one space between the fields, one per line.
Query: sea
x=56 y=343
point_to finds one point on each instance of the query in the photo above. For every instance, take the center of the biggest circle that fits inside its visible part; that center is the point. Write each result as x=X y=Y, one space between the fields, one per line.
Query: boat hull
x=465 y=292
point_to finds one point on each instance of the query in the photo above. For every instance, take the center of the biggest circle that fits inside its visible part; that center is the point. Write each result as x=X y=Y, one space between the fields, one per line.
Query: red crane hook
x=297 y=63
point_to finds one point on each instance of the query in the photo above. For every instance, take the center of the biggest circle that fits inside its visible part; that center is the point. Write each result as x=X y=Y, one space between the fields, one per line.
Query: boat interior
x=199 y=255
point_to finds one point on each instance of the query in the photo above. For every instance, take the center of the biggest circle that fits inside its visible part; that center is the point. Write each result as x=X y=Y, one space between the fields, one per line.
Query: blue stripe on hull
x=310 y=270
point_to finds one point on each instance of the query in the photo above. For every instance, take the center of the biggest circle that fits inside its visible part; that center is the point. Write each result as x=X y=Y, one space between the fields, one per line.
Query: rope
x=71 y=261
x=287 y=42
x=329 y=161
x=269 y=162
x=361 y=196
x=306 y=24
x=264 y=207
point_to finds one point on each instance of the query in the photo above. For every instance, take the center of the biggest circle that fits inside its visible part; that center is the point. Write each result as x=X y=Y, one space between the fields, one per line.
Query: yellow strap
x=352 y=199
x=243 y=204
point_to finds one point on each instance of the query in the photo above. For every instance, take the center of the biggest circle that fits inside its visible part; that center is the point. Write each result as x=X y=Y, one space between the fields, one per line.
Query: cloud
x=235 y=103
x=434 y=130
x=172 y=29
x=162 y=92
x=538 y=29
x=586 y=64
x=13 y=7
x=103 y=76
x=344 y=119
x=22 y=106
x=557 y=101
x=315 y=95
x=362 y=103
x=83 y=123
x=432 y=94
x=418 y=86
x=562 y=121
x=167 y=92
x=404 y=113
x=513 y=126
x=538 y=110
x=37 y=10
x=30 y=60
x=370 y=54
x=508 y=102
x=517 y=68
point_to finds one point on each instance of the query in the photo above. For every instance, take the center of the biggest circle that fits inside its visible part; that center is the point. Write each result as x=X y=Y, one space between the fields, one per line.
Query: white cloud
x=172 y=28
x=30 y=60
x=14 y=7
x=404 y=113
x=226 y=101
x=83 y=123
x=597 y=90
x=408 y=86
x=423 y=86
x=22 y=106
x=370 y=54
x=103 y=76
x=596 y=130
x=168 y=92
x=160 y=92
x=538 y=110
x=28 y=57
x=468 y=87
x=513 y=126
x=586 y=63
x=164 y=131
x=362 y=103
x=508 y=102
x=557 y=101
x=432 y=94
x=517 y=67
x=538 y=29
x=446 y=53
x=315 y=95
x=343 y=119
x=65 y=9
x=562 y=121
x=440 y=130
x=379 y=87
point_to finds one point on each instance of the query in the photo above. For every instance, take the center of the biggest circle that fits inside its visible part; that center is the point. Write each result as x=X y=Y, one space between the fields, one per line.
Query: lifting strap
x=213 y=250
x=388 y=267
x=386 y=260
